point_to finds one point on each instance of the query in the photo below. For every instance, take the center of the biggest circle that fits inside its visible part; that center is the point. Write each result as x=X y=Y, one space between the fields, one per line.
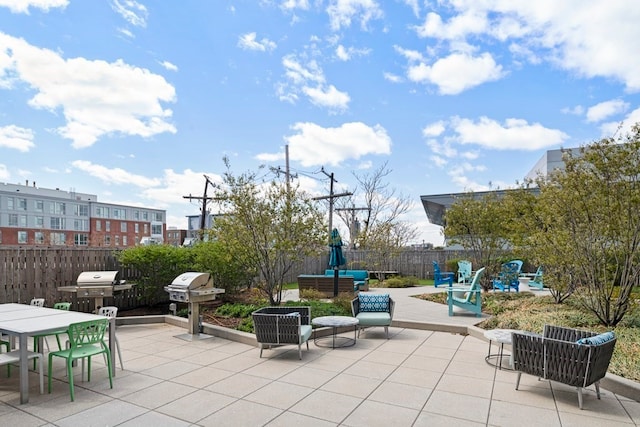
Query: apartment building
x=33 y=216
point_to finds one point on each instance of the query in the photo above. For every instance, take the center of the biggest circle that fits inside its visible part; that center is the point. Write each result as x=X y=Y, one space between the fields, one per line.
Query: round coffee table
x=335 y=322
x=502 y=337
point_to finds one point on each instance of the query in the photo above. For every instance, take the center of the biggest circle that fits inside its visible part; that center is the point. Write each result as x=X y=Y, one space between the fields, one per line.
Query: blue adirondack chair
x=536 y=281
x=508 y=278
x=441 y=277
x=468 y=297
x=464 y=271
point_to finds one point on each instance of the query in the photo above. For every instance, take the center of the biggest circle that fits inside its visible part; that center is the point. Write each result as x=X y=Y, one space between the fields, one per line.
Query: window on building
x=119 y=213
x=102 y=212
x=156 y=228
x=39 y=222
x=136 y=228
x=22 y=204
x=39 y=238
x=38 y=206
x=107 y=226
x=10 y=203
x=23 y=221
x=145 y=215
x=22 y=237
x=157 y=216
x=58 y=208
x=123 y=227
x=136 y=215
x=98 y=225
x=124 y=240
x=13 y=220
x=0 y=236
x=117 y=240
x=57 y=223
x=57 y=239
x=80 y=239
x=146 y=229
x=107 y=240
x=81 y=224
x=81 y=210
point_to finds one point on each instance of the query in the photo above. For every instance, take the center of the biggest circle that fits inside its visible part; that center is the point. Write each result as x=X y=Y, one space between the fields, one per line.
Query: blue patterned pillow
x=597 y=339
x=373 y=302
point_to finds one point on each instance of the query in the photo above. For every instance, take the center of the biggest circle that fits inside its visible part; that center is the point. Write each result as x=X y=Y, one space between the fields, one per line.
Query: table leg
x=112 y=344
x=24 y=369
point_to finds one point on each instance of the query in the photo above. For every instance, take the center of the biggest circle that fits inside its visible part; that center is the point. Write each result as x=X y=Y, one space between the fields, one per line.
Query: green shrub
x=236 y=310
x=311 y=295
x=394 y=282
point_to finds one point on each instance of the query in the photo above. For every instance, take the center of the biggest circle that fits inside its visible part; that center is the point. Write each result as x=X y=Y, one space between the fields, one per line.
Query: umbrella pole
x=335 y=281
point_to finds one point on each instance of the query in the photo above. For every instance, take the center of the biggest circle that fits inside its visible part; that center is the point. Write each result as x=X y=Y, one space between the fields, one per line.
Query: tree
x=590 y=224
x=478 y=224
x=228 y=270
x=384 y=233
x=269 y=226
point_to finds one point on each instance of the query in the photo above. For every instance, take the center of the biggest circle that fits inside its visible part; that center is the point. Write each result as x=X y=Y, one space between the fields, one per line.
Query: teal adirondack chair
x=464 y=271
x=536 y=281
x=508 y=278
x=469 y=297
x=441 y=277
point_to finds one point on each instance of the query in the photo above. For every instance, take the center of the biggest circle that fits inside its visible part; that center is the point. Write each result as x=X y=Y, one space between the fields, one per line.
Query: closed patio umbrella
x=336 y=257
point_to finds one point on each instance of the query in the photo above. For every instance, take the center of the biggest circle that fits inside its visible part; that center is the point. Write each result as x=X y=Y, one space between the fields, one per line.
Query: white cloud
x=308 y=79
x=457 y=72
x=590 y=38
x=4 y=172
x=341 y=12
x=313 y=145
x=347 y=53
x=22 y=6
x=295 y=4
x=97 y=98
x=415 y=7
x=114 y=175
x=327 y=96
x=434 y=129
x=393 y=78
x=606 y=109
x=514 y=134
x=270 y=157
x=578 y=110
x=131 y=11
x=16 y=138
x=248 y=42
x=175 y=185
x=410 y=55
x=622 y=127
x=169 y=66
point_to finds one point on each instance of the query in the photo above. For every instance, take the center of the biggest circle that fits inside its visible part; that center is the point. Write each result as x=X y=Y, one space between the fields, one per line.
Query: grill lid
x=190 y=280
x=98 y=278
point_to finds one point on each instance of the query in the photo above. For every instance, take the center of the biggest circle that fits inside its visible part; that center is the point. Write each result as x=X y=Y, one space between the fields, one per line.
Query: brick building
x=32 y=216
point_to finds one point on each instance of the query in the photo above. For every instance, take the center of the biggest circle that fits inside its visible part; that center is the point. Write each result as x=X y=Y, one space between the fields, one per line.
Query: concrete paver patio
x=416 y=378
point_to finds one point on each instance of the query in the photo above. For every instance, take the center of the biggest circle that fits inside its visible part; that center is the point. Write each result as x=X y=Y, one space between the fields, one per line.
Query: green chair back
x=86 y=339
x=62 y=306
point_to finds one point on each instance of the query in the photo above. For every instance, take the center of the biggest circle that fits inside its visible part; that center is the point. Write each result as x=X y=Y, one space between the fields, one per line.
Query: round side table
x=501 y=337
x=335 y=322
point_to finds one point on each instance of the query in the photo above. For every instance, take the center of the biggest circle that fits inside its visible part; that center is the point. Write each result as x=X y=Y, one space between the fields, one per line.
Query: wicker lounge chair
x=276 y=326
x=569 y=356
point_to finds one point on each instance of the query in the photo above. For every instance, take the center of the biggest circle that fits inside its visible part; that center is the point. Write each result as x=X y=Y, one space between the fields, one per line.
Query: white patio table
x=23 y=321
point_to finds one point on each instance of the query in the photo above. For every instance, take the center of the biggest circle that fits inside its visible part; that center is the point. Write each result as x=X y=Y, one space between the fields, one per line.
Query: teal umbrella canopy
x=336 y=257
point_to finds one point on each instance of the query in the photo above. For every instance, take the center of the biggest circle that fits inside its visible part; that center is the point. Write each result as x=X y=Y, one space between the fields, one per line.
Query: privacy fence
x=27 y=273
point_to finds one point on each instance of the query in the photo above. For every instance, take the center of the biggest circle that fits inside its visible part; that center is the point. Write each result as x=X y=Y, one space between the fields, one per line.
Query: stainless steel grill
x=97 y=285
x=193 y=288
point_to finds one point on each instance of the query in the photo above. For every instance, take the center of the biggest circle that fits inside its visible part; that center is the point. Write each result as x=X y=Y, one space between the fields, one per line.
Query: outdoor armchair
x=469 y=297
x=277 y=326
x=373 y=309
x=569 y=356
x=441 y=277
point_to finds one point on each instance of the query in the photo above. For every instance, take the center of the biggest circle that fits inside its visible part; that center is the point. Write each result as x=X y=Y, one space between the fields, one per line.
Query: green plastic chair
x=58 y=306
x=86 y=339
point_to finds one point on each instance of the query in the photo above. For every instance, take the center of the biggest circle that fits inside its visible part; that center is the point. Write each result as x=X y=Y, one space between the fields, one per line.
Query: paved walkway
x=416 y=378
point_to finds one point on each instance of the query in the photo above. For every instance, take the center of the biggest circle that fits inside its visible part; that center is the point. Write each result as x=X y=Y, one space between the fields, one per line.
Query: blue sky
x=136 y=100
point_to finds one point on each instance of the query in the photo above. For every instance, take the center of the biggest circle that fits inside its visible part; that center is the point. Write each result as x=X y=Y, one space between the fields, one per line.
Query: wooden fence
x=27 y=273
